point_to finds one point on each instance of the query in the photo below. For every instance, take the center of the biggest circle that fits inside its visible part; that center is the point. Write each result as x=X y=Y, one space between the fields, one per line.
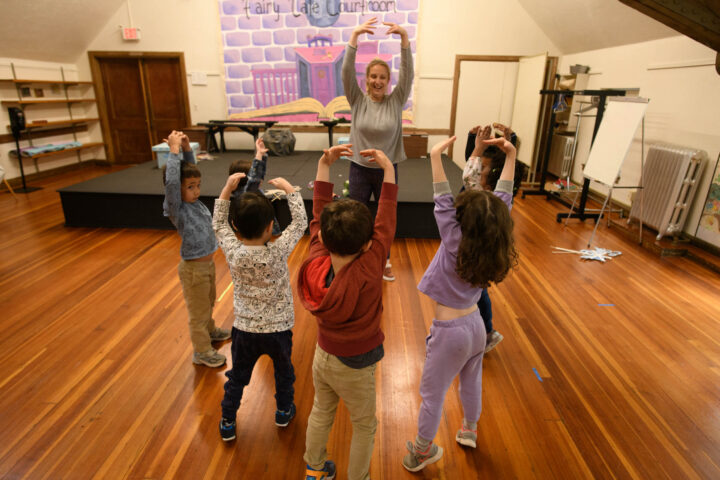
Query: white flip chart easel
x=623 y=116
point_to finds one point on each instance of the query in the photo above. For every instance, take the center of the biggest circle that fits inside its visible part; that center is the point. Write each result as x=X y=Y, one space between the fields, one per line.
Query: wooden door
x=142 y=97
x=166 y=92
x=127 y=135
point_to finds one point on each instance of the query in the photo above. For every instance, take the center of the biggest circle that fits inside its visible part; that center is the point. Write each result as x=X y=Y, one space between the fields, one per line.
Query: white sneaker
x=466 y=437
x=388 y=273
x=493 y=339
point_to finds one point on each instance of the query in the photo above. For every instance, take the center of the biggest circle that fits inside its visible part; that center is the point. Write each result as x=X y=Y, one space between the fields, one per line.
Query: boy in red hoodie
x=340 y=282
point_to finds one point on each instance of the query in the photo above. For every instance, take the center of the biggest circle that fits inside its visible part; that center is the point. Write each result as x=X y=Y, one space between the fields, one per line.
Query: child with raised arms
x=263 y=300
x=477 y=248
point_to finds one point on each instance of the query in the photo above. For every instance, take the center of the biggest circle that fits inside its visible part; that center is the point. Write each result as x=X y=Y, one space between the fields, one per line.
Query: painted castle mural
x=283 y=58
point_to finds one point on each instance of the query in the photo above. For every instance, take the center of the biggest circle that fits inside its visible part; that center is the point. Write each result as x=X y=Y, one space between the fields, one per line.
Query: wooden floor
x=606 y=371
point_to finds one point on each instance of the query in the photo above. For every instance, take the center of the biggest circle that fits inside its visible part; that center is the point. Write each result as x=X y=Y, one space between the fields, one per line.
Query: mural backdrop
x=283 y=57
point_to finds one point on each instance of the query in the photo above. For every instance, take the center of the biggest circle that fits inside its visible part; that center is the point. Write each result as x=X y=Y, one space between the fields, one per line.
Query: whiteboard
x=526 y=108
x=612 y=142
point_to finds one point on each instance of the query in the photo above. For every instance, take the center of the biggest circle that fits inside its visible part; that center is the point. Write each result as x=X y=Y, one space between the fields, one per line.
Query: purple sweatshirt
x=440 y=281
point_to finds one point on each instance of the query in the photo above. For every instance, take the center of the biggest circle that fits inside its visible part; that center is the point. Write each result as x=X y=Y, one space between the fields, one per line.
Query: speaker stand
x=24 y=188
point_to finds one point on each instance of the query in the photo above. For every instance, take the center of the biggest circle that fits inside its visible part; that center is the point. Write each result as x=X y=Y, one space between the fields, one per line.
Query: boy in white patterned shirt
x=263 y=301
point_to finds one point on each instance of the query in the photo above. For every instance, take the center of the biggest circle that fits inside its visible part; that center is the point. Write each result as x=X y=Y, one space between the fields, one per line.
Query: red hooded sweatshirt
x=348 y=313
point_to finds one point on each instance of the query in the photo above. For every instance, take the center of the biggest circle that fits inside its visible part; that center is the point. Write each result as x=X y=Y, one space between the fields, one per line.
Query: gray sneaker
x=219 y=334
x=466 y=437
x=493 y=339
x=415 y=461
x=211 y=358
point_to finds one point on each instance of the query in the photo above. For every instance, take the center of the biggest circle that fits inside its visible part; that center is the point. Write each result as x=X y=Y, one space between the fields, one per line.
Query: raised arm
x=508 y=171
x=292 y=234
x=226 y=238
x=405 y=78
x=349 y=75
x=386 y=218
x=257 y=169
x=438 y=172
x=173 y=186
x=322 y=194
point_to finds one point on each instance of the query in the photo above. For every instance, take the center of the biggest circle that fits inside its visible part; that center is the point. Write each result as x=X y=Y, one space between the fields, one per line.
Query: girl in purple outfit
x=477 y=248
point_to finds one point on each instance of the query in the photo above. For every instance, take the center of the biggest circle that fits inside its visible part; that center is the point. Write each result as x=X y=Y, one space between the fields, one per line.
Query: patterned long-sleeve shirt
x=263 y=300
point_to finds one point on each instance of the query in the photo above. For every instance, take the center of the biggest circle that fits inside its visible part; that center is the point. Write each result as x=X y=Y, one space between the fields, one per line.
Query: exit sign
x=130 y=33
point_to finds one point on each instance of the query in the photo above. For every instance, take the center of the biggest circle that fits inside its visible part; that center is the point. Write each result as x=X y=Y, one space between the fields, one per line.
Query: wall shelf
x=46 y=82
x=65 y=150
x=47 y=102
x=58 y=123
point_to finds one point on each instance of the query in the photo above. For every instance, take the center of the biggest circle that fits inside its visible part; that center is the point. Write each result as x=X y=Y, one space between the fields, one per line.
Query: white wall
x=466 y=27
x=34 y=70
x=684 y=106
x=445 y=29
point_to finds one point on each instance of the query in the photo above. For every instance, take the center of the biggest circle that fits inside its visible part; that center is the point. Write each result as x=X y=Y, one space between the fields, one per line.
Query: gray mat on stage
x=133 y=197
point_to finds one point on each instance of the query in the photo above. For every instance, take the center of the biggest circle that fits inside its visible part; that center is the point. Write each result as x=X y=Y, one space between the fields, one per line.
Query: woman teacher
x=376 y=116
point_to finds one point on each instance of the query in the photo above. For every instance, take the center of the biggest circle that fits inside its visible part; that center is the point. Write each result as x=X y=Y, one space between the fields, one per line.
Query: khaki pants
x=333 y=380
x=198 y=284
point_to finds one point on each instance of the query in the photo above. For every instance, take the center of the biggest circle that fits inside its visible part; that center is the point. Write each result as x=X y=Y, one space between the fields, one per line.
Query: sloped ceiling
x=581 y=25
x=60 y=30
x=51 y=30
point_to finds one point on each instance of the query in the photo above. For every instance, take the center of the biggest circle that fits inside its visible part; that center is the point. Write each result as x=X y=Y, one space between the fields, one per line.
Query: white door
x=485 y=95
x=526 y=107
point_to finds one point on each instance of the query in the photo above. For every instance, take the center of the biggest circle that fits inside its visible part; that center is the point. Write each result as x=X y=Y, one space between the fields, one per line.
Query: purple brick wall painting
x=283 y=58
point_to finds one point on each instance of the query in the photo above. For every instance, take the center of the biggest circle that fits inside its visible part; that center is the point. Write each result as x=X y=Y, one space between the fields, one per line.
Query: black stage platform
x=132 y=198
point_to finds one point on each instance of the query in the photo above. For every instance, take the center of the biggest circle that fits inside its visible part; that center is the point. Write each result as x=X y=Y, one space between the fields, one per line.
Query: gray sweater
x=377 y=124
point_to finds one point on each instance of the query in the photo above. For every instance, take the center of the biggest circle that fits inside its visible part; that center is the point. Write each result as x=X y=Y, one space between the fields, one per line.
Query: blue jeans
x=246 y=348
x=485 y=307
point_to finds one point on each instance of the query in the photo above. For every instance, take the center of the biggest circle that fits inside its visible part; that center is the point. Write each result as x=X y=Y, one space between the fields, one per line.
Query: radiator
x=561 y=153
x=670 y=177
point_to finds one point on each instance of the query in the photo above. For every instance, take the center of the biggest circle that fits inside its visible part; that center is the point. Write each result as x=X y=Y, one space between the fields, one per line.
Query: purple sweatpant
x=454 y=347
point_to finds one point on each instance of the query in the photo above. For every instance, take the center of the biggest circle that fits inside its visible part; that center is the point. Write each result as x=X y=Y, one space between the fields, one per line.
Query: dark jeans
x=365 y=182
x=246 y=348
x=485 y=307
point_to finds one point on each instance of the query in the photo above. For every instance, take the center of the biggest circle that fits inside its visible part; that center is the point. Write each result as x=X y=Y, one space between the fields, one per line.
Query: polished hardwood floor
x=608 y=371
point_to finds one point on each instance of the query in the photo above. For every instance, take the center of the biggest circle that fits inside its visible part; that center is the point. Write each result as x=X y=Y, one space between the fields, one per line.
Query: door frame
x=95 y=56
x=545 y=105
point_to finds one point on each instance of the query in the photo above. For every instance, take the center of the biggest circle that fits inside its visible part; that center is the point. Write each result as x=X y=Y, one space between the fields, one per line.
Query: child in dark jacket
x=340 y=282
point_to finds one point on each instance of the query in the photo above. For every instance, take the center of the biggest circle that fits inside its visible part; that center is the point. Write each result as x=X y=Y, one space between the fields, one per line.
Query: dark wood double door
x=141 y=98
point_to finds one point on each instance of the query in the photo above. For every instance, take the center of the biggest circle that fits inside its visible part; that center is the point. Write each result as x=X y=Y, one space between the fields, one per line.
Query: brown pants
x=334 y=380
x=198 y=284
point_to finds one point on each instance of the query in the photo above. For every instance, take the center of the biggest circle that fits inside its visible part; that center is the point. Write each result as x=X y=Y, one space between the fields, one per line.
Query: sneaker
x=493 y=339
x=227 y=429
x=415 y=460
x=466 y=437
x=327 y=472
x=388 y=273
x=282 y=419
x=211 y=358
x=219 y=334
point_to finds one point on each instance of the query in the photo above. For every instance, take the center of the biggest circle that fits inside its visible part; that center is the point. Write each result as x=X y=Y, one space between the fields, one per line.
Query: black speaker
x=17 y=119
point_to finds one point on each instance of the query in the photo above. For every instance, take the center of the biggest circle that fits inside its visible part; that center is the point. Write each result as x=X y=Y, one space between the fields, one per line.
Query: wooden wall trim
x=456 y=81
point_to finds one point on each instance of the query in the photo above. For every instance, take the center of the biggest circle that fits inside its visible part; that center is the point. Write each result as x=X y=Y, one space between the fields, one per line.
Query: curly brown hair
x=487 y=248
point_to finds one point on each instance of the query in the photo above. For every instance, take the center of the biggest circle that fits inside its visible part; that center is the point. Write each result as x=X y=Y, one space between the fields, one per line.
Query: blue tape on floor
x=537 y=374
x=606 y=304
